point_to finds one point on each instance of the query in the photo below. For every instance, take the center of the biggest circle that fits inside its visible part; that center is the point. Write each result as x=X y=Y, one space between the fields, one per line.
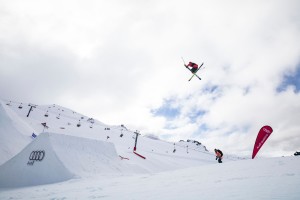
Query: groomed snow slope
x=262 y=179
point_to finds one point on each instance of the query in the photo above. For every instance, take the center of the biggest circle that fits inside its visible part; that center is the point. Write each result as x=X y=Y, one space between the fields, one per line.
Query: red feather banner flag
x=262 y=136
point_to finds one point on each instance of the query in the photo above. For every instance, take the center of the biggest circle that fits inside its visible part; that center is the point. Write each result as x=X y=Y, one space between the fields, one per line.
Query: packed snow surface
x=77 y=157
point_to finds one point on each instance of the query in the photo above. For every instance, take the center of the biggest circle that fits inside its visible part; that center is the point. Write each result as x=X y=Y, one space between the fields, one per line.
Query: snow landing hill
x=76 y=157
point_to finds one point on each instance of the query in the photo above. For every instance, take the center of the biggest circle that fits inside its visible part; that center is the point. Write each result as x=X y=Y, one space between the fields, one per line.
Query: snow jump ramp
x=52 y=158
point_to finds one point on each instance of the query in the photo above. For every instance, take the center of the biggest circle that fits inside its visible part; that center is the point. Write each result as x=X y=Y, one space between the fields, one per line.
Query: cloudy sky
x=119 y=61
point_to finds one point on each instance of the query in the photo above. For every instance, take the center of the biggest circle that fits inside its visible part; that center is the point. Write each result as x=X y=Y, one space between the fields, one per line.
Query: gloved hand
x=216 y=157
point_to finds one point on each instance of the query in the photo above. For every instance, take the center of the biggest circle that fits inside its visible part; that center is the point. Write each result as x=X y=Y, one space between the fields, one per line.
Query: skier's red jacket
x=193 y=65
x=218 y=153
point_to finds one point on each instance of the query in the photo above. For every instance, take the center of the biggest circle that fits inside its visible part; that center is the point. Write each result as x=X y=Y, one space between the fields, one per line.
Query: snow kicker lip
x=67 y=157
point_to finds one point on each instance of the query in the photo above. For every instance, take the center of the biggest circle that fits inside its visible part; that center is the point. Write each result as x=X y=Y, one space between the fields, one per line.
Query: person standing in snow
x=219 y=155
x=194 y=67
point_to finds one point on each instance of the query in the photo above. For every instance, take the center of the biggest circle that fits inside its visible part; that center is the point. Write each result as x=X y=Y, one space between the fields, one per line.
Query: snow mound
x=52 y=158
x=13 y=131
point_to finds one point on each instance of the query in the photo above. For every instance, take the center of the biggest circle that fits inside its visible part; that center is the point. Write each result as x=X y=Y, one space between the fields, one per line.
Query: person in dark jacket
x=219 y=155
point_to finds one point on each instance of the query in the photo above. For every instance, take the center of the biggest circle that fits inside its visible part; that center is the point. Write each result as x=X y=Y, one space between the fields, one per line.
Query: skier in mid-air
x=194 y=67
x=219 y=155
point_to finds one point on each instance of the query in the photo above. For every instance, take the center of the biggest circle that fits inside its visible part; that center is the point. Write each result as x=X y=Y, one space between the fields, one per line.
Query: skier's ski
x=194 y=74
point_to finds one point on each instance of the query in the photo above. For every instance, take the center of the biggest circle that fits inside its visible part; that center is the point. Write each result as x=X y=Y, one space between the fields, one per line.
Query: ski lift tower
x=31 y=106
x=136 y=138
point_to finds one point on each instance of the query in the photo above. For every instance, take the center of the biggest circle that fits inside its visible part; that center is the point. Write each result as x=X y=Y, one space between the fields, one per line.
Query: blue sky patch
x=211 y=89
x=167 y=110
x=201 y=129
x=170 y=126
x=195 y=115
x=291 y=80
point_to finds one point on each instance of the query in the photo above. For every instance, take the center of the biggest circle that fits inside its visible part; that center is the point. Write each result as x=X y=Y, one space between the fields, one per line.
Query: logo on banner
x=267 y=130
x=36 y=156
x=263 y=140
